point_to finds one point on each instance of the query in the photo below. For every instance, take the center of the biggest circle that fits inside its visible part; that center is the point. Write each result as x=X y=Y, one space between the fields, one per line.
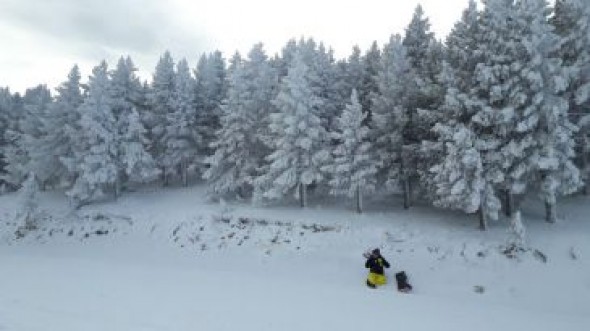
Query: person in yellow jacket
x=375 y=263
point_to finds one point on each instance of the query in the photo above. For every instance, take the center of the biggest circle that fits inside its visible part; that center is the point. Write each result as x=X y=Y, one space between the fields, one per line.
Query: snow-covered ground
x=170 y=260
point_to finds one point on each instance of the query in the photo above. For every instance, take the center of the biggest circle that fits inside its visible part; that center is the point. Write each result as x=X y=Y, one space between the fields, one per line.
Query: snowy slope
x=170 y=260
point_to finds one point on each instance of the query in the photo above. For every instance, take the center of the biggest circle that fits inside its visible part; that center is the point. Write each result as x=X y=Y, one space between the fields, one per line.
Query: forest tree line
x=498 y=110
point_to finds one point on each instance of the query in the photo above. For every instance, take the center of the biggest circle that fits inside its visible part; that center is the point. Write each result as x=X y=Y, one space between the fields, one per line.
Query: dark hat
x=376 y=251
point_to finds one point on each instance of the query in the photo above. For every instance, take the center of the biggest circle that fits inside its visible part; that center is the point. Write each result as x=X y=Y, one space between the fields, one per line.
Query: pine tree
x=12 y=149
x=326 y=86
x=7 y=122
x=133 y=159
x=211 y=90
x=182 y=138
x=571 y=20
x=353 y=169
x=420 y=147
x=390 y=115
x=243 y=140
x=97 y=159
x=162 y=103
x=371 y=62
x=322 y=77
x=490 y=109
x=461 y=44
x=460 y=177
x=36 y=127
x=351 y=73
x=552 y=131
x=24 y=147
x=64 y=130
x=514 y=105
x=282 y=63
x=299 y=151
x=126 y=88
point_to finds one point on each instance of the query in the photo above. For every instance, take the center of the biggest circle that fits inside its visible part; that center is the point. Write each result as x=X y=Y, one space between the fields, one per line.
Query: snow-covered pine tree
x=390 y=109
x=7 y=123
x=461 y=44
x=326 y=86
x=36 y=127
x=494 y=99
x=243 y=141
x=13 y=147
x=63 y=130
x=282 y=63
x=143 y=107
x=161 y=100
x=25 y=146
x=234 y=63
x=519 y=117
x=227 y=167
x=424 y=53
x=460 y=177
x=126 y=88
x=353 y=169
x=571 y=19
x=552 y=131
x=182 y=138
x=96 y=160
x=323 y=77
x=211 y=89
x=133 y=160
x=517 y=229
x=371 y=62
x=351 y=73
x=299 y=151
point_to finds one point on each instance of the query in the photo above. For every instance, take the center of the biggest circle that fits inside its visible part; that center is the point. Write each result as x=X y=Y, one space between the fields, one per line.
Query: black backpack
x=402 y=282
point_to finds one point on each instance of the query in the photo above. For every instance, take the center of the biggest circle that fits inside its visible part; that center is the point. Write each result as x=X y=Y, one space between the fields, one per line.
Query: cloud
x=49 y=36
x=44 y=38
x=133 y=25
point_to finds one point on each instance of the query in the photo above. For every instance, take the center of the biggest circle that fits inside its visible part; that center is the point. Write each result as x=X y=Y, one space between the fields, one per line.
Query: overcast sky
x=42 y=39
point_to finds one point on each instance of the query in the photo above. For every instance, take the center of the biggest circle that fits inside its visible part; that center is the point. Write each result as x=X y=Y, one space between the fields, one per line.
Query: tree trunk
x=483 y=222
x=303 y=195
x=406 y=192
x=410 y=191
x=508 y=203
x=164 y=176
x=586 y=187
x=117 y=187
x=184 y=174
x=550 y=212
x=359 y=200
x=586 y=181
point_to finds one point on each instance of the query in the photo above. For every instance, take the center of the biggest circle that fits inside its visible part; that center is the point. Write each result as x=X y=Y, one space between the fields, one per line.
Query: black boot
x=371 y=285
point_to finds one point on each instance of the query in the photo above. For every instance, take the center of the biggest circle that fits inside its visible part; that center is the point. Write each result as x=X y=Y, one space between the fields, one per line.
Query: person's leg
x=372 y=280
x=380 y=280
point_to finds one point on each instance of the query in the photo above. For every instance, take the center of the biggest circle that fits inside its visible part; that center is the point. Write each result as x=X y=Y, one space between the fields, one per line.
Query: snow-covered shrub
x=28 y=211
x=517 y=229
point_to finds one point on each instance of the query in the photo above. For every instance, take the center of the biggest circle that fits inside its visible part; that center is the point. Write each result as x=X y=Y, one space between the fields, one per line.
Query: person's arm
x=368 y=263
x=385 y=263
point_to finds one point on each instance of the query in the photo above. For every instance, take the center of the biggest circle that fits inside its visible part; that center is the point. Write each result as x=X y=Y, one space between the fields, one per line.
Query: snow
x=286 y=268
